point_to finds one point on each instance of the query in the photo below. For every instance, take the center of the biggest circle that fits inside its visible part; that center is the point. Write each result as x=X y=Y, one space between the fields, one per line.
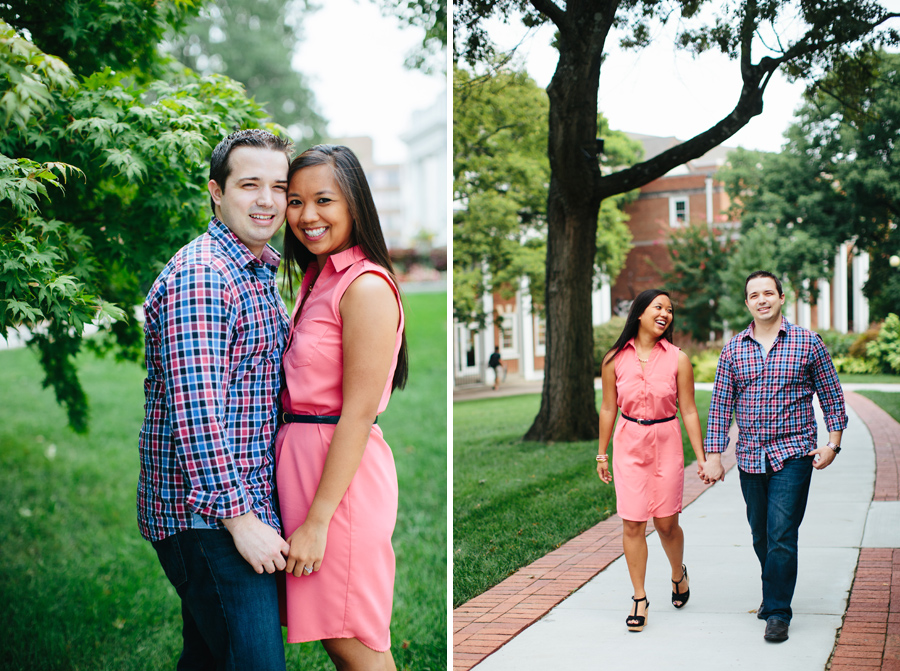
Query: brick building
x=689 y=193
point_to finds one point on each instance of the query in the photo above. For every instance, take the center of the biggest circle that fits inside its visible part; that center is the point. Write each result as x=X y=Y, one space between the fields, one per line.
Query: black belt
x=288 y=418
x=644 y=422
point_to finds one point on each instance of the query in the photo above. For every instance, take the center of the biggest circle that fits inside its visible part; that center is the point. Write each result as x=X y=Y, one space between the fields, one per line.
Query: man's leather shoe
x=759 y=611
x=776 y=630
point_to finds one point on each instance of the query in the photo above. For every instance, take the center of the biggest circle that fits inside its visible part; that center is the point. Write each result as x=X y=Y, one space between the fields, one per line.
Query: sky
x=353 y=59
x=662 y=91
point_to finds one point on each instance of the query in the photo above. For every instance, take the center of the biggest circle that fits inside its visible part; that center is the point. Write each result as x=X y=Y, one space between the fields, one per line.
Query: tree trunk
x=568 y=410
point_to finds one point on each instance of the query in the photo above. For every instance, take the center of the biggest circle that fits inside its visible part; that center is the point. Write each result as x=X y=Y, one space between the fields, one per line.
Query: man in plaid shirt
x=766 y=377
x=215 y=333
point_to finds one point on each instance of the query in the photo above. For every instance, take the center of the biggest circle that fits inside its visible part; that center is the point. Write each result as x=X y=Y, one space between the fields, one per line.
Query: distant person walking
x=649 y=378
x=495 y=365
x=766 y=376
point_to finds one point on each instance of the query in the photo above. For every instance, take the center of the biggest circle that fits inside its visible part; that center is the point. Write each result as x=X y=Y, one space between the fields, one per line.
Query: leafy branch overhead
x=101 y=180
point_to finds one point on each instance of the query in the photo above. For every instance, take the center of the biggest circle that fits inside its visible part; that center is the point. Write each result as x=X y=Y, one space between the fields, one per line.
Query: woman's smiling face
x=318 y=213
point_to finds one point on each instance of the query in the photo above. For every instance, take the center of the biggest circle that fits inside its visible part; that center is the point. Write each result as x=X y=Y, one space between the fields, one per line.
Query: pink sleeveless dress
x=648 y=460
x=352 y=594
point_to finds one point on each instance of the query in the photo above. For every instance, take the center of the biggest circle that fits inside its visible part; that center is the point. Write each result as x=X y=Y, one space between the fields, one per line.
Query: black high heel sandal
x=685 y=595
x=636 y=622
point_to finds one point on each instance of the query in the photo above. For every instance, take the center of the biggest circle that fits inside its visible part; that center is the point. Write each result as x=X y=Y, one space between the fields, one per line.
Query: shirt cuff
x=220 y=504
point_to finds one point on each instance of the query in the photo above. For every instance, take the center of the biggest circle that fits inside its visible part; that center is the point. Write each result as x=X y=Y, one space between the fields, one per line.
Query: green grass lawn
x=515 y=501
x=82 y=590
x=889 y=401
x=871 y=379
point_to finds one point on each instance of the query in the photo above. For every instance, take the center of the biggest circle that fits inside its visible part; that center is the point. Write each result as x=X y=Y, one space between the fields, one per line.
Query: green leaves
x=79 y=251
x=837 y=180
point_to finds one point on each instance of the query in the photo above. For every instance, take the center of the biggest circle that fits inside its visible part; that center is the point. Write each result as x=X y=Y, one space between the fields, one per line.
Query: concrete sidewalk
x=718 y=628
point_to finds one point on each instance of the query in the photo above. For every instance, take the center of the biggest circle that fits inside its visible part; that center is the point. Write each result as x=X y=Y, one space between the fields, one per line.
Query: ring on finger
x=307 y=570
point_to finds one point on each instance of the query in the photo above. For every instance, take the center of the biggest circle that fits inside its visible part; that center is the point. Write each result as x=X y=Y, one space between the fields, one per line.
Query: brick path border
x=870 y=635
x=484 y=624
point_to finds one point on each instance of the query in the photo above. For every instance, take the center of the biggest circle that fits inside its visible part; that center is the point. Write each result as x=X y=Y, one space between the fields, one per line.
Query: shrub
x=885 y=350
x=704 y=364
x=858 y=348
x=838 y=343
x=847 y=364
x=605 y=336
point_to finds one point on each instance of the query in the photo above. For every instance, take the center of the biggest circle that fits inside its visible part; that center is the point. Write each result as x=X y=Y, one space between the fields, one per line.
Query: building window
x=540 y=336
x=678 y=212
x=507 y=326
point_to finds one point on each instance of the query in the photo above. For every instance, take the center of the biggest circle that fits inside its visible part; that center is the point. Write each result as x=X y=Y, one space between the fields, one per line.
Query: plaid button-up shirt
x=215 y=335
x=771 y=397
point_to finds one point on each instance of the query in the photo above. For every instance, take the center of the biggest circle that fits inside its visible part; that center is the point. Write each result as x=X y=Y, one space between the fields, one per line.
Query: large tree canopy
x=836 y=180
x=91 y=36
x=501 y=173
x=253 y=41
x=101 y=179
x=824 y=37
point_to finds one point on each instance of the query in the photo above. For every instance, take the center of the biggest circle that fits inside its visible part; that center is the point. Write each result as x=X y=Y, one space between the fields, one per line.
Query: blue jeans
x=776 y=502
x=230 y=612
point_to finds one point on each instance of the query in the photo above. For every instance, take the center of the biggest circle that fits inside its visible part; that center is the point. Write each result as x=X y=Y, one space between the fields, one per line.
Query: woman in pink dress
x=337 y=485
x=649 y=378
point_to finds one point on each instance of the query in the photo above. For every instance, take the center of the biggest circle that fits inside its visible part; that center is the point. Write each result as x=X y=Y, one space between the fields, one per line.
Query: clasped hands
x=307 y=549
x=711 y=471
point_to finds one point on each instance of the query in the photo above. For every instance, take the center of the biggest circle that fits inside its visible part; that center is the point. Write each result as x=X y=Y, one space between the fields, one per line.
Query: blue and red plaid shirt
x=215 y=335
x=771 y=397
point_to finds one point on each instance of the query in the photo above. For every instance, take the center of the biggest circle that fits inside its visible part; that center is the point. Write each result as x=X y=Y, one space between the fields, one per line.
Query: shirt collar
x=345 y=259
x=750 y=331
x=662 y=341
x=237 y=250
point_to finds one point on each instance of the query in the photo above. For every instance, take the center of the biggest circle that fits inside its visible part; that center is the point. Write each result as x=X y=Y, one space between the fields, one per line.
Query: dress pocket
x=304 y=343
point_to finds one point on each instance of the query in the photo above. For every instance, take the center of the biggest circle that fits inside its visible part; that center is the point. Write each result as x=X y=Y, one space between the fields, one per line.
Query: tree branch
x=551 y=10
x=750 y=104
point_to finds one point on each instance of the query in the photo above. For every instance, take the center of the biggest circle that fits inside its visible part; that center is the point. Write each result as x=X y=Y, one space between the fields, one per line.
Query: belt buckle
x=642 y=422
x=284 y=417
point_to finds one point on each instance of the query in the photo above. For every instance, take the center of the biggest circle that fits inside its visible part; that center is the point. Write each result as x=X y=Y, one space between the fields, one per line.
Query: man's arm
x=195 y=352
x=831 y=399
x=718 y=421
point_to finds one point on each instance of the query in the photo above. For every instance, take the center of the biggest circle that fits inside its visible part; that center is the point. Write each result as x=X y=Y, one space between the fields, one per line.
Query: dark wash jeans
x=230 y=612
x=776 y=502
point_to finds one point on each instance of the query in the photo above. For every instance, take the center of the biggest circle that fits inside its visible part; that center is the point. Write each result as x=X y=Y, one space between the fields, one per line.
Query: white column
x=487 y=335
x=804 y=311
x=824 y=304
x=840 y=290
x=860 y=302
x=709 y=200
x=601 y=302
x=523 y=300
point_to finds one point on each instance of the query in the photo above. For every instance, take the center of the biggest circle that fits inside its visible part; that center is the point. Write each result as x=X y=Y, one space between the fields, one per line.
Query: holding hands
x=711 y=470
x=307 y=549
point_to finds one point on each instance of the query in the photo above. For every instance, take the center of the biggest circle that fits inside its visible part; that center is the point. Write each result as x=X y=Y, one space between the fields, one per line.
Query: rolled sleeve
x=199 y=320
x=828 y=387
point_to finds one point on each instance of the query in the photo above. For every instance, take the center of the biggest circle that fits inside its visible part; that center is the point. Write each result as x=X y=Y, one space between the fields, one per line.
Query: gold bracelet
x=602 y=457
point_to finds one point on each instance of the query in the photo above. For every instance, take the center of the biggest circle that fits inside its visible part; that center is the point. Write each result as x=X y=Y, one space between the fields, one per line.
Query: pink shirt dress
x=648 y=460
x=352 y=594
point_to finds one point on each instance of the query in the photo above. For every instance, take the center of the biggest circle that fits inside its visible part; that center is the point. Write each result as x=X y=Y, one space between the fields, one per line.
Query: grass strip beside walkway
x=515 y=501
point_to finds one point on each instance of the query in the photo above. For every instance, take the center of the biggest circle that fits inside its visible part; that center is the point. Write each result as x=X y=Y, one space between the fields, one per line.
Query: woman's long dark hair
x=632 y=322
x=365 y=232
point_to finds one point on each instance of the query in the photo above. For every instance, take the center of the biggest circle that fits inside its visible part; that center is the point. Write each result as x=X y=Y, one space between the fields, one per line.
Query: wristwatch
x=836 y=448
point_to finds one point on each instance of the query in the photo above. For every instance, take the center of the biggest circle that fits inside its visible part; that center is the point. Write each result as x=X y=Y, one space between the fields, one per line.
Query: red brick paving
x=486 y=623
x=870 y=635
